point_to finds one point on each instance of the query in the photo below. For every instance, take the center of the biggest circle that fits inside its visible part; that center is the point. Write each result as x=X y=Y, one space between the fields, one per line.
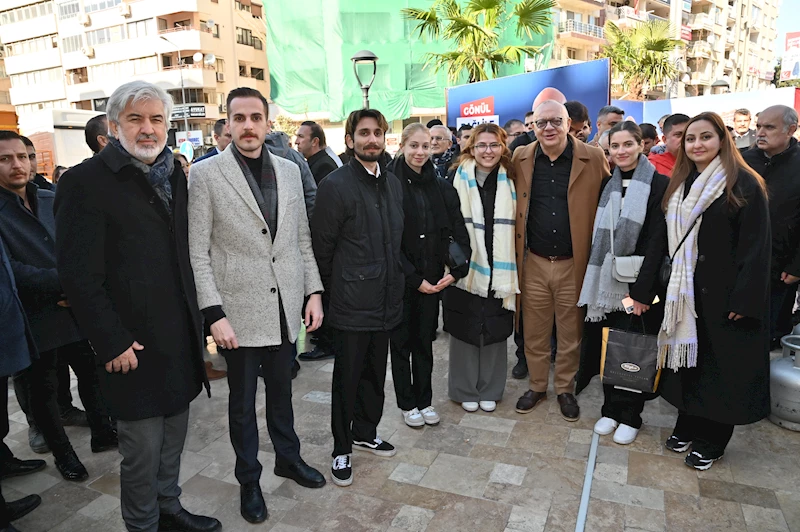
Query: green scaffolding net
x=310 y=43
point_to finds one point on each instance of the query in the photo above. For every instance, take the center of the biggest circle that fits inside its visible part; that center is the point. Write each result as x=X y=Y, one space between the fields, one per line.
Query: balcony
x=555 y=63
x=728 y=65
x=651 y=16
x=701 y=21
x=16 y=64
x=625 y=16
x=188 y=38
x=37 y=93
x=699 y=50
x=665 y=2
x=703 y=3
x=701 y=78
x=581 y=33
x=581 y=6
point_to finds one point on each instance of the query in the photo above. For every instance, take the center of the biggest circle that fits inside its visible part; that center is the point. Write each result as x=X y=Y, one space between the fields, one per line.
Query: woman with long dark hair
x=631 y=201
x=714 y=340
x=479 y=308
x=432 y=216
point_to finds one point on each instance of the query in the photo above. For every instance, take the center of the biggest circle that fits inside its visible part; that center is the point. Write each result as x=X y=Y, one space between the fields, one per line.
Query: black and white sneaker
x=698 y=461
x=342 y=470
x=677 y=445
x=377 y=447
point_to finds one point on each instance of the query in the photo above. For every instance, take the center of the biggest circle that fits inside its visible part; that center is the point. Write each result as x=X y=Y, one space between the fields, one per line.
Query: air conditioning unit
x=208 y=140
x=88 y=51
x=125 y=10
x=221 y=77
x=85 y=19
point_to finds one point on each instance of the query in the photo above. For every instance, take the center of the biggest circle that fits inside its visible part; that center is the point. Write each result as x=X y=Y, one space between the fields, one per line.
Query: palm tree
x=640 y=56
x=475 y=30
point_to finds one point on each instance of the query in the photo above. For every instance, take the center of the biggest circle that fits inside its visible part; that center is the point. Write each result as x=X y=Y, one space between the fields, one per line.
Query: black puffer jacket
x=357 y=229
x=783 y=186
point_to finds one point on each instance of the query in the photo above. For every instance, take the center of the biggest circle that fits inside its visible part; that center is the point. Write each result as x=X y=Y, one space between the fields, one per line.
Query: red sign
x=482 y=107
x=793 y=40
x=686 y=33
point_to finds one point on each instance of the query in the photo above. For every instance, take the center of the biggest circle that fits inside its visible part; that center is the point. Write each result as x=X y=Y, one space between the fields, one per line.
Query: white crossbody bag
x=624 y=269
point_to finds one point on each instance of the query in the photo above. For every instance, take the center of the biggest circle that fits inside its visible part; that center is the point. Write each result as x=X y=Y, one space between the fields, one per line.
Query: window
x=21 y=14
x=257 y=73
x=220 y=64
x=98 y=5
x=192 y=96
x=244 y=36
x=105 y=35
x=3 y=74
x=31 y=46
x=257 y=44
x=5 y=98
x=142 y=28
x=166 y=61
x=38 y=77
x=162 y=25
x=242 y=70
x=72 y=43
x=100 y=104
x=215 y=31
x=68 y=10
x=242 y=7
x=123 y=69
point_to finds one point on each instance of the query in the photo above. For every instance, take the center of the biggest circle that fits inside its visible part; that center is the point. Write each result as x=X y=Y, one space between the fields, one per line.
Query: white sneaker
x=413 y=418
x=625 y=434
x=605 y=425
x=470 y=406
x=430 y=416
x=488 y=406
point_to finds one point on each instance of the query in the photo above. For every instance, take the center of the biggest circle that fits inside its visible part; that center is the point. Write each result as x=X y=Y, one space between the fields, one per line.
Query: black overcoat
x=731 y=381
x=124 y=264
x=17 y=347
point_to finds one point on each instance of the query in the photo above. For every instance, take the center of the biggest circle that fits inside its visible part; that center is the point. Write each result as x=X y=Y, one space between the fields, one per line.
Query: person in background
x=360 y=262
x=431 y=215
x=674 y=126
x=608 y=117
x=649 y=137
x=310 y=142
x=222 y=136
x=714 y=341
x=16 y=354
x=631 y=200
x=463 y=134
x=40 y=180
x=479 y=309
x=558 y=186
x=579 y=118
x=440 y=150
x=184 y=162
x=514 y=129
x=57 y=173
x=529 y=120
x=96 y=133
x=743 y=135
x=776 y=157
x=603 y=144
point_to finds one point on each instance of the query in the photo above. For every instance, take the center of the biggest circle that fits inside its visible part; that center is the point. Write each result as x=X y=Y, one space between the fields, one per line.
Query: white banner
x=475 y=120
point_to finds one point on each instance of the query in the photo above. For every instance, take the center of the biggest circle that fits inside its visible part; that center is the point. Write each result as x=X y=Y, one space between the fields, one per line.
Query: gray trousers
x=477 y=373
x=151 y=461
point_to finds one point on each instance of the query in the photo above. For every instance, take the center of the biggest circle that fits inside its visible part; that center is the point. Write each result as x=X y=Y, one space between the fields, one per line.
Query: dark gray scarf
x=267 y=193
x=157 y=174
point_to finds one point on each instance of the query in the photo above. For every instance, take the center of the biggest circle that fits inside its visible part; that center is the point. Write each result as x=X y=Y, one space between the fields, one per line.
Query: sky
x=788 y=20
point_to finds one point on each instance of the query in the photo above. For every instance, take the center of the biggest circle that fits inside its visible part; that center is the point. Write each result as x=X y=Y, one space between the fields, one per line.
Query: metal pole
x=183 y=96
x=365 y=94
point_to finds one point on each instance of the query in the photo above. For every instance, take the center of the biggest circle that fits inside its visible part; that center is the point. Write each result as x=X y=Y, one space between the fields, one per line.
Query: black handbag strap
x=630 y=322
x=684 y=239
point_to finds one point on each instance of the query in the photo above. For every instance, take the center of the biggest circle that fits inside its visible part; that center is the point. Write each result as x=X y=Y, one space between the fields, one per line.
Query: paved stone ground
x=474 y=472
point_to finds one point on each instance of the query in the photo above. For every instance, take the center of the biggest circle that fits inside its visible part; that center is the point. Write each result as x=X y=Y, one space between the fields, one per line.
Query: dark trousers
x=5 y=452
x=623 y=406
x=243 y=364
x=359 y=375
x=519 y=340
x=412 y=350
x=80 y=357
x=64 y=393
x=709 y=438
x=781 y=302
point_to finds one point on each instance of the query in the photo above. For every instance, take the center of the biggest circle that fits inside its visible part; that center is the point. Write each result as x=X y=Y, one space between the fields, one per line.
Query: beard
x=368 y=158
x=144 y=154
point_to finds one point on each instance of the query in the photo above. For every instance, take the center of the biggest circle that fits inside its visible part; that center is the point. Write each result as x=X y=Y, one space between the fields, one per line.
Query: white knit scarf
x=502 y=276
x=677 y=339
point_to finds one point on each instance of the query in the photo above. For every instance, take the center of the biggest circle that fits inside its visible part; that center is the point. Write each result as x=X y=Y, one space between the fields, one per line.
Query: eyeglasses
x=517 y=134
x=494 y=146
x=555 y=122
x=439 y=139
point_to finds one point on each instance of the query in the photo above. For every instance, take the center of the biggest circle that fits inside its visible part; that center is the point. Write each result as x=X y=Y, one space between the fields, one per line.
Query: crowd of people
x=138 y=255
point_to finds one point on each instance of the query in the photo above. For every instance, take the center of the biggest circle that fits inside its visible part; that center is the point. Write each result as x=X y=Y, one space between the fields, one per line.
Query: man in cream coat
x=250 y=247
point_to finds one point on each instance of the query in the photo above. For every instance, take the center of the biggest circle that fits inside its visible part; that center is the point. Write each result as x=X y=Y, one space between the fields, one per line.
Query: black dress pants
x=709 y=438
x=243 y=364
x=5 y=452
x=412 y=350
x=359 y=375
x=623 y=406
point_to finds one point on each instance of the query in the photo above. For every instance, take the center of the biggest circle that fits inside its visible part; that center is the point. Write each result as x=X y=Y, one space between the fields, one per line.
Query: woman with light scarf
x=631 y=200
x=479 y=307
x=714 y=341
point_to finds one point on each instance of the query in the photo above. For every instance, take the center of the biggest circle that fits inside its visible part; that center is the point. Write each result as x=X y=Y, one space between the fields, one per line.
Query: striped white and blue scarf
x=501 y=277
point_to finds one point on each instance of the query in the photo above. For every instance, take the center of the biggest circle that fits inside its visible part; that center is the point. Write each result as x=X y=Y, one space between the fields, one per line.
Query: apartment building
x=8 y=117
x=72 y=54
x=729 y=44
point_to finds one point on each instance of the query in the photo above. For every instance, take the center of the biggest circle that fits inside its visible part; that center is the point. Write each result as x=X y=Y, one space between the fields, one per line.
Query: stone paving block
x=408 y=473
x=758 y=518
x=625 y=494
x=412 y=519
x=508 y=474
x=459 y=475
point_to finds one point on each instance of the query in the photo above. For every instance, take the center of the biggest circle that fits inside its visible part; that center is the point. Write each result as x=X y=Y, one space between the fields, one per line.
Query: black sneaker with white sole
x=699 y=461
x=677 y=445
x=377 y=447
x=342 y=470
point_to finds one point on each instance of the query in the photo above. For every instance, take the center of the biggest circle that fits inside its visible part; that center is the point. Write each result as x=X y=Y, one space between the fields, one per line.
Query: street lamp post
x=365 y=57
x=183 y=90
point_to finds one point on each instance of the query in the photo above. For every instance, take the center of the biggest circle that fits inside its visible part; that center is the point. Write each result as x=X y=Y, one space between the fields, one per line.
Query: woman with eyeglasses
x=479 y=308
x=631 y=201
x=714 y=340
x=432 y=215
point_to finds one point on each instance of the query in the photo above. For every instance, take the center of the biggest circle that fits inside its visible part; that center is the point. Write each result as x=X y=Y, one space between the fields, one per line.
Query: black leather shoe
x=569 y=407
x=183 y=521
x=316 y=354
x=302 y=473
x=14 y=467
x=74 y=417
x=71 y=467
x=36 y=440
x=529 y=400
x=520 y=370
x=295 y=369
x=104 y=442
x=22 y=507
x=253 y=507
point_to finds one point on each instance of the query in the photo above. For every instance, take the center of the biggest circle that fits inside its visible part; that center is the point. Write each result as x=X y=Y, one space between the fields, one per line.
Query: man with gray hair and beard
x=123 y=255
